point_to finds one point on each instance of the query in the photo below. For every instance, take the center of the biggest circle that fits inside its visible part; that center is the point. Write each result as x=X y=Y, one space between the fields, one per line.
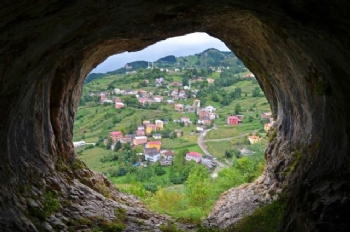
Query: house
x=119 y=105
x=197 y=103
x=179 y=107
x=169 y=101
x=249 y=75
x=140 y=127
x=138 y=140
x=175 y=83
x=266 y=115
x=167 y=154
x=233 y=120
x=126 y=139
x=178 y=133
x=154 y=144
x=182 y=94
x=159 y=124
x=117 y=91
x=116 y=135
x=158 y=98
x=210 y=80
x=192 y=155
x=107 y=101
x=208 y=161
x=149 y=128
x=157 y=136
x=80 y=143
x=145 y=122
x=190 y=109
x=140 y=132
x=209 y=108
x=143 y=100
x=151 y=154
x=267 y=126
x=253 y=139
x=204 y=120
x=164 y=162
x=201 y=128
x=185 y=120
x=127 y=66
x=244 y=152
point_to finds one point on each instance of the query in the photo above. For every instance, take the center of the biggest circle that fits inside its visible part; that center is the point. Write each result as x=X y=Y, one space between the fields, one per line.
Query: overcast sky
x=189 y=44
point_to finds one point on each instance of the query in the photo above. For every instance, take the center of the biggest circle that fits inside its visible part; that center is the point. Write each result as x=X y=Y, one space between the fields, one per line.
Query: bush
x=150 y=187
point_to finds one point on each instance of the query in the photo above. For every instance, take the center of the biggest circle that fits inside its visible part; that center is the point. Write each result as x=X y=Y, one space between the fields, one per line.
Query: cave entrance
x=143 y=123
x=300 y=57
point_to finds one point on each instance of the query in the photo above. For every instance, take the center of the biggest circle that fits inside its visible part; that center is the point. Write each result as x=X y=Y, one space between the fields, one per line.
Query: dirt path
x=201 y=144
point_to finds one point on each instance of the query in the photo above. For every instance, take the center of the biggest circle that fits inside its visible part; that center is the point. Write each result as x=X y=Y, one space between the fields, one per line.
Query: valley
x=147 y=124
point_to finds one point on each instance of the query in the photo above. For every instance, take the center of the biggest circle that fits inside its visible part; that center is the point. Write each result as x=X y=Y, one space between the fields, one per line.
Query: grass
x=218 y=148
x=91 y=158
x=222 y=132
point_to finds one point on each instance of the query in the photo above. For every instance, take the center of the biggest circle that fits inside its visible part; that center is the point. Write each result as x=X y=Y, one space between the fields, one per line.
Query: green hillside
x=162 y=187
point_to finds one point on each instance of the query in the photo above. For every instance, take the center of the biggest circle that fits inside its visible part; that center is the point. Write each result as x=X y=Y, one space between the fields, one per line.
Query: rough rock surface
x=299 y=51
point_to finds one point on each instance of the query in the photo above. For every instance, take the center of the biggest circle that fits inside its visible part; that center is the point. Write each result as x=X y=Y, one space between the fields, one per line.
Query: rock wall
x=297 y=49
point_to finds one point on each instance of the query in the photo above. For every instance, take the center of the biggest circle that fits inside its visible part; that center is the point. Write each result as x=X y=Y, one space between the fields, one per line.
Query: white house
x=151 y=154
x=209 y=108
x=192 y=155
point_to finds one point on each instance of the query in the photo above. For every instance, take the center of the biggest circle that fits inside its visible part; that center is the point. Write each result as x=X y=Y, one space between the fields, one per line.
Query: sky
x=189 y=44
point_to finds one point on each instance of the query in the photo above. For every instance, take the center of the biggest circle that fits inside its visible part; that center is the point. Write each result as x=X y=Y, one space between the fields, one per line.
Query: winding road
x=201 y=143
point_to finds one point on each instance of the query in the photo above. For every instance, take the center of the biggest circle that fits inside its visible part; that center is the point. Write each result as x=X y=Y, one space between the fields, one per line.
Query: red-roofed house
x=140 y=132
x=233 y=120
x=192 y=155
x=119 y=105
x=138 y=140
x=116 y=135
x=179 y=107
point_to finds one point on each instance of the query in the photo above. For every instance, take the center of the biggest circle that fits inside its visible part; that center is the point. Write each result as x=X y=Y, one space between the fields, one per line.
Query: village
x=149 y=133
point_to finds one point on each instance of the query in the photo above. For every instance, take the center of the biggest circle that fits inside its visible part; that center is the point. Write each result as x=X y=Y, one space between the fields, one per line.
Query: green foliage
x=198 y=186
x=238 y=108
x=264 y=219
x=169 y=227
x=150 y=187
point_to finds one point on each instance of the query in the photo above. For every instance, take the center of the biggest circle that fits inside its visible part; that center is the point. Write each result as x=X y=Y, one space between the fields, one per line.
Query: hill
x=208 y=58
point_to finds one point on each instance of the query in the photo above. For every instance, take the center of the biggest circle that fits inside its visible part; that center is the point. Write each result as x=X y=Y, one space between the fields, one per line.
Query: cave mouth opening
x=299 y=55
x=117 y=108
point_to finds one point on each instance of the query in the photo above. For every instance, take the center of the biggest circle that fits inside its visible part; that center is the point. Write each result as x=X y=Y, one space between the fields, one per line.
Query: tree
x=198 y=186
x=238 y=108
x=109 y=143
x=256 y=92
x=250 y=119
x=158 y=169
x=117 y=146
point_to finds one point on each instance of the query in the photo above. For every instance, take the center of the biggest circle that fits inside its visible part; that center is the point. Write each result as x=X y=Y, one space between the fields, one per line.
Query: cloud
x=178 y=46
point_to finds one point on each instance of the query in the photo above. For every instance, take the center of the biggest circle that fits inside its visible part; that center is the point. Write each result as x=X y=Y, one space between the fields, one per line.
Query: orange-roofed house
x=154 y=144
x=150 y=128
x=116 y=135
x=254 y=139
x=192 y=155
